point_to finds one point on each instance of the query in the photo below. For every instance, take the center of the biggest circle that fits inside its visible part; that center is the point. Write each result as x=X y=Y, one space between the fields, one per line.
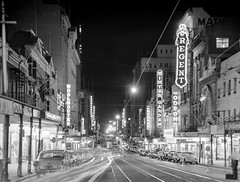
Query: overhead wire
x=154 y=49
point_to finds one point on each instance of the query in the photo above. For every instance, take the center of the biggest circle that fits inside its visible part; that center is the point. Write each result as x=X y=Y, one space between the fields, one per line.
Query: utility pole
x=5 y=90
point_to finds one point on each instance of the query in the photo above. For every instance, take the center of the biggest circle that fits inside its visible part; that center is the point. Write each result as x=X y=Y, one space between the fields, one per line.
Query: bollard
x=234 y=175
x=235 y=169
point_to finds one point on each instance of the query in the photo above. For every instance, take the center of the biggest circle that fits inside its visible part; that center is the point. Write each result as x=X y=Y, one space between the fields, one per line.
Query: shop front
x=49 y=131
x=194 y=142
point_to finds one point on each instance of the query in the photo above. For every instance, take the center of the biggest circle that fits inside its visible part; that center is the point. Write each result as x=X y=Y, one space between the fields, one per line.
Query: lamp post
x=132 y=122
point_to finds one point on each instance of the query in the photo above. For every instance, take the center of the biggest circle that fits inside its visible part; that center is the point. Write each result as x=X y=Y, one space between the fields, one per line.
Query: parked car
x=188 y=157
x=51 y=160
x=144 y=152
x=153 y=154
x=161 y=155
x=169 y=156
x=176 y=156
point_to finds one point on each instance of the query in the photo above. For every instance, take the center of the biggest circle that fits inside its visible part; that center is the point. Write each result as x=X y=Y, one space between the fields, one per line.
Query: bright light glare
x=117 y=116
x=133 y=89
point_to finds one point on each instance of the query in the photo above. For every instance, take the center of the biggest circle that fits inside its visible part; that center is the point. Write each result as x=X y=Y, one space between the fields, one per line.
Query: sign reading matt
x=182 y=42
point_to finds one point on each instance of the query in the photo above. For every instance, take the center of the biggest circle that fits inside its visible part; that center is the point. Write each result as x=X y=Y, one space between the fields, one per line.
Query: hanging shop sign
x=159 y=98
x=68 y=105
x=6 y=107
x=181 y=42
x=51 y=116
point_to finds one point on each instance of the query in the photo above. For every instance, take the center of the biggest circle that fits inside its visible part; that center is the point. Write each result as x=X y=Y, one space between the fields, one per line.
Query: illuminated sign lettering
x=148 y=117
x=68 y=105
x=159 y=98
x=175 y=107
x=182 y=42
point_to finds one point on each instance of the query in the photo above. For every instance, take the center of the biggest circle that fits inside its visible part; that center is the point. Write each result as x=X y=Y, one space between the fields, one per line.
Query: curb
x=218 y=167
x=34 y=174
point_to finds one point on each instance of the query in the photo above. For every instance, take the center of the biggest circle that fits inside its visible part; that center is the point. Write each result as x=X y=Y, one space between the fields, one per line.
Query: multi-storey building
x=203 y=109
x=52 y=24
x=31 y=100
x=145 y=79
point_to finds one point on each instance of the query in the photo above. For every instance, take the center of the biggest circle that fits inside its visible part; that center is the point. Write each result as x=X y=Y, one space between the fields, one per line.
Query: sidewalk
x=12 y=170
x=220 y=164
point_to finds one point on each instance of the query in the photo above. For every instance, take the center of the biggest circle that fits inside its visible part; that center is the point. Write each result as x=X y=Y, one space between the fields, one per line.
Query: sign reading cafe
x=159 y=97
x=182 y=42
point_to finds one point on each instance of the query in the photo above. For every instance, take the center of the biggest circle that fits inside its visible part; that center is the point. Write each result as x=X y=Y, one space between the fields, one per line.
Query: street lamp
x=133 y=92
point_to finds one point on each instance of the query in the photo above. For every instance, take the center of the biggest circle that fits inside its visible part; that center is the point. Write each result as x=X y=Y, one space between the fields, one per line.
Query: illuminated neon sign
x=182 y=42
x=148 y=117
x=175 y=107
x=159 y=97
x=68 y=105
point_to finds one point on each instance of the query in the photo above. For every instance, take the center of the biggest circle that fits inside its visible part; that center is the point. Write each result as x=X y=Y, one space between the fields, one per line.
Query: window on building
x=166 y=51
x=218 y=92
x=224 y=89
x=224 y=115
x=170 y=50
x=229 y=114
x=234 y=85
x=222 y=42
x=48 y=105
x=229 y=87
x=234 y=114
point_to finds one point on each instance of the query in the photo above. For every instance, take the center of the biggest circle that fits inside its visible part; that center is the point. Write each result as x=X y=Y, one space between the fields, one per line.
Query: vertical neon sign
x=148 y=117
x=175 y=107
x=182 y=42
x=68 y=105
x=159 y=98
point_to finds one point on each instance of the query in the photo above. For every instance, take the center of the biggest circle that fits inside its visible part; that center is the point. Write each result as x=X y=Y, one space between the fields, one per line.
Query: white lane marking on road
x=122 y=171
x=144 y=171
x=194 y=174
x=170 y=174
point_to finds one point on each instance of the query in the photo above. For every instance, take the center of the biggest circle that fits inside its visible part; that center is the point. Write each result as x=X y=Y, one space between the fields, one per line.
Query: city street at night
x=125 y=166
x=119 y=92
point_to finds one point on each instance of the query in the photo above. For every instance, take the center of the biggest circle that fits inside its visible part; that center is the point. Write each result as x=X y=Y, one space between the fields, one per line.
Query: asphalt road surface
x=131 y=167
x=117 y=165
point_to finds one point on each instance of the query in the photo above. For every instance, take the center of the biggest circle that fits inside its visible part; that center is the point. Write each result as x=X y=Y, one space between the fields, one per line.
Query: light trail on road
x=130 y=168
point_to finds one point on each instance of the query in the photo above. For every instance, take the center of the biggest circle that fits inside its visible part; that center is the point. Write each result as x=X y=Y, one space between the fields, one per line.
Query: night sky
x=115 y=36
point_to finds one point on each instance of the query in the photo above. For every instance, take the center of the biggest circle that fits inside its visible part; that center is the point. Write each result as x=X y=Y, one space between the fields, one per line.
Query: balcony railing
x=23 y=97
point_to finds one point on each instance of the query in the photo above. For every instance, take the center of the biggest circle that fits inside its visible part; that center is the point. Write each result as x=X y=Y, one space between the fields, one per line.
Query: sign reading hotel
x=175 y=107
x=68 y=105
x=181 y=42
x=159 y=98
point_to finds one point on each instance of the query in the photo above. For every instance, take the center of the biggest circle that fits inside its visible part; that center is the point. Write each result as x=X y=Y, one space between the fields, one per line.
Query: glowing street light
x=133 y=90
x=117 y=116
